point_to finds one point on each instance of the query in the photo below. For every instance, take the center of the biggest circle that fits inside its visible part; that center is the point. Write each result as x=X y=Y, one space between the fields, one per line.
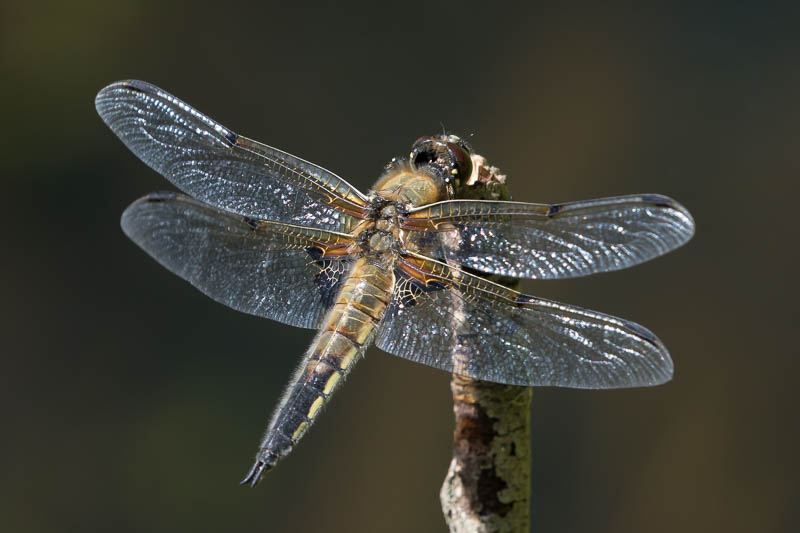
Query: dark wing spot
x=138 y=86
x=157 y=197
x=315 y=253
x=409 y=291
x=329 y=278
x=645 y=334
x=554 y=209
x=232 y=137
x=253 y=223
x=434 y=286
x=659 y=200
x=523 y=299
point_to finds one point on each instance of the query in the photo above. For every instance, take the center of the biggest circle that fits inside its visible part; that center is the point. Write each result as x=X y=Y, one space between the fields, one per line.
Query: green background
x=130 y=402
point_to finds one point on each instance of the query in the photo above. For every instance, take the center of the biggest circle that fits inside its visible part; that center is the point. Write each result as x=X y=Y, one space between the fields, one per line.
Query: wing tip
x=663 y=368
x=151 y=198
x=661 y=200
x=127 y=85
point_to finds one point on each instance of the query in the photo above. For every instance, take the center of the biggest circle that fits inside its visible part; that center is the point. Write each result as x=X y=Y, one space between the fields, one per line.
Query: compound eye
x=422 y=140
x=460 y=162
x=426 y=150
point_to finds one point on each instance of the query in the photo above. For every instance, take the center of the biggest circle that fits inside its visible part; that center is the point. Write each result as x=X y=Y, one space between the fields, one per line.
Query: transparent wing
x=210 y=162
x=285 y=273
x=556 y=241
x=449 y=319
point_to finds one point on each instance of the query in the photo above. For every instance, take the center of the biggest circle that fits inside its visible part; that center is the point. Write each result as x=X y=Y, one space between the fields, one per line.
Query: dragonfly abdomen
x=343 y=338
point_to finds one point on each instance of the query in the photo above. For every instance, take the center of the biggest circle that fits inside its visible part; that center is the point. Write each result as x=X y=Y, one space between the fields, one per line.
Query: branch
x=487 y=488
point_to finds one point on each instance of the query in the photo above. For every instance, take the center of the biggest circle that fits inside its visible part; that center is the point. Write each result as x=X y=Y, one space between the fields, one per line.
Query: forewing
x=556 y=241
x=467 y=325
x=213 y=164
x=266 y=269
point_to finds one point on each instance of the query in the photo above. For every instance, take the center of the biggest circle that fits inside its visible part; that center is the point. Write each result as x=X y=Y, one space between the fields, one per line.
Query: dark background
x=130 y=402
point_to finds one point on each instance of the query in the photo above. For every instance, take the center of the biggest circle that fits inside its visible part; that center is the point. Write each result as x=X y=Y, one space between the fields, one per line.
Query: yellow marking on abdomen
x=314 y=408
x=345 y=361
x=299 y=431
x=332 y=381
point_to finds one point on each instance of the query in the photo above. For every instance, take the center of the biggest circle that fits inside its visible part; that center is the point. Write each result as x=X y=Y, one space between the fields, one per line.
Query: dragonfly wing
x=285 y=273
x=556 y=241
x=449 y=319
x=210 y=162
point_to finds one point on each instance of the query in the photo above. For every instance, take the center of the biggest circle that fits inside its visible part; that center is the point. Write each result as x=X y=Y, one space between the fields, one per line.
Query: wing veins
x=472 y=285
x=254 y=266
x=543 y=241
x=220 y=167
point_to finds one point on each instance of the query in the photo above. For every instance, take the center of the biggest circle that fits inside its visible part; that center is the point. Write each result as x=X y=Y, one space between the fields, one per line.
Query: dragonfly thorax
x=381 y=241
x=380 y=232
x=405 y=185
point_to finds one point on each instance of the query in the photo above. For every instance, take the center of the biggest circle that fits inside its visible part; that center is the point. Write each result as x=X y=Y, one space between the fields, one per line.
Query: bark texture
x=487 y=487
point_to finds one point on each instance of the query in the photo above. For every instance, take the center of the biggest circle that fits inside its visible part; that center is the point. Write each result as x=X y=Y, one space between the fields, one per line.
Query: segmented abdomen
x=346 y=332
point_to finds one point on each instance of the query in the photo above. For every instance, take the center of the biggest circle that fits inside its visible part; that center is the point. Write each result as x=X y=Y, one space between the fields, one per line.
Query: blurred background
x=130 y=402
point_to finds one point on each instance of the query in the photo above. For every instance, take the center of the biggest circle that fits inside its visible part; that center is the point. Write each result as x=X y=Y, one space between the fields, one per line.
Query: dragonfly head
x=446 y=156
x=431 y=173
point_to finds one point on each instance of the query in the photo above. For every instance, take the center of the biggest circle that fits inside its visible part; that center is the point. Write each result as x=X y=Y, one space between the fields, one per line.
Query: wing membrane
x=281 y=272
x=557 y=241
x=449 y=319
x=210 y=162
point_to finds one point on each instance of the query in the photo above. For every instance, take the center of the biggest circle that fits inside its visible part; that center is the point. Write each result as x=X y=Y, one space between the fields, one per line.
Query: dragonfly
x=404 y=266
